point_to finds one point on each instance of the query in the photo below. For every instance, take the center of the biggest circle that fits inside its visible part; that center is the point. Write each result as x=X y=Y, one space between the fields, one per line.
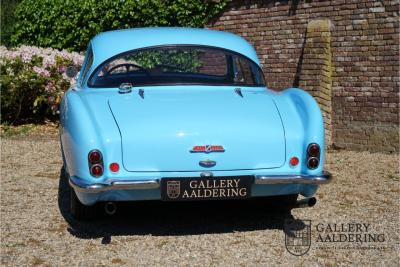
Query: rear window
x=178 y=65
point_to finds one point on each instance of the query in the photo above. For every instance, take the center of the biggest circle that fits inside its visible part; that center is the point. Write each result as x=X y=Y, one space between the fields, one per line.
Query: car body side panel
x=86 y=125
x=303 y=124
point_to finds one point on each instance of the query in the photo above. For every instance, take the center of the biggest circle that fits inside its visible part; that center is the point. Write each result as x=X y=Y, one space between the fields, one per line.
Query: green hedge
x=70 y=24
x=7 y=20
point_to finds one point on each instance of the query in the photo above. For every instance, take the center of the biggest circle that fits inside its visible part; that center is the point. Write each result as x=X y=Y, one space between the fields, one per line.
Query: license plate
x=210 y=188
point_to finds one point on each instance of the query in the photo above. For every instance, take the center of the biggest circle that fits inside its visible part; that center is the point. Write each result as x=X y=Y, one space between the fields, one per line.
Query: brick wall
x=213 y=62
x=315 y=69
x=364 y=44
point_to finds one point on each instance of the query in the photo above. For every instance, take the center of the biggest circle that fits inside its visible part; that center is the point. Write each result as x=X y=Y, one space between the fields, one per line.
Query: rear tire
x=64 y=173
x=80 y=211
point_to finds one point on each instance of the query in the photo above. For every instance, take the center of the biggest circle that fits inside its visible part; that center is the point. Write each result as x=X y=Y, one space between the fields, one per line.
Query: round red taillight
x=94 y=156
x=313 y=163
x=114 y=167
x=294 y=161
x=97 y=170
x=313 y=150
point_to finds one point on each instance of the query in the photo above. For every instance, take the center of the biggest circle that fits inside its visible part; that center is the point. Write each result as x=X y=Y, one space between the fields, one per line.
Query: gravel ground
x=36 y=228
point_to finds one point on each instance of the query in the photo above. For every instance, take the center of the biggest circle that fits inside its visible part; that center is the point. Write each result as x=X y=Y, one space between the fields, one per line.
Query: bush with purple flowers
x=33 y=81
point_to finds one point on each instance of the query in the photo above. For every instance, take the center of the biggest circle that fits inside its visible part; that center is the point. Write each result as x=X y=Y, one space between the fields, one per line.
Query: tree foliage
x=70 y=24
x=7 y=20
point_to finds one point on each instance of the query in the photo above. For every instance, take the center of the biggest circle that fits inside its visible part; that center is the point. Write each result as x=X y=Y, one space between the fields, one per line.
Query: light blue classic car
x=179 y=114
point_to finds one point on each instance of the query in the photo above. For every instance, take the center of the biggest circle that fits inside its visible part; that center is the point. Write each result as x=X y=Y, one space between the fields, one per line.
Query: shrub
x=33 y=82
x=71 y=24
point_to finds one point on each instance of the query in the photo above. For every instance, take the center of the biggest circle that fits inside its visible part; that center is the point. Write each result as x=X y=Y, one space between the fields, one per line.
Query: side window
x=243 y=73
x=88 y=64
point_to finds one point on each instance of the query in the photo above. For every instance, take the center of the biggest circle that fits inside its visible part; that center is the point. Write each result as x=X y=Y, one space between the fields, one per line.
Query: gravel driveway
x=36 y=228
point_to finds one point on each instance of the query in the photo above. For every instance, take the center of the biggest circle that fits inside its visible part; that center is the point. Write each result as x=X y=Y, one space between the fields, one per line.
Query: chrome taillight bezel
x=95 y=151
x=311 y=167
x=313 y=156
x=96 y=163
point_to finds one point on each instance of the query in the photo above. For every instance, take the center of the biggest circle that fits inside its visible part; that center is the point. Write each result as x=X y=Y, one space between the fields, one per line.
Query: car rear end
x=249 y=147
x=186 y=122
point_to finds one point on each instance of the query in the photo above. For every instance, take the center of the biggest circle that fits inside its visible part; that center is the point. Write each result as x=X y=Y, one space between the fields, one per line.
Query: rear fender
x=84 y=126
x=303 y=123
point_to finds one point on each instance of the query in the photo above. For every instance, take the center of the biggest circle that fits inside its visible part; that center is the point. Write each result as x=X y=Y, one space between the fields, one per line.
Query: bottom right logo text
x=351 y=235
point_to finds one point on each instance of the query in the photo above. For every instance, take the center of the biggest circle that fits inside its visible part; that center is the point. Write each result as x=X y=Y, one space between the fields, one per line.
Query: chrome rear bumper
x=81 y=186
x=325 y=178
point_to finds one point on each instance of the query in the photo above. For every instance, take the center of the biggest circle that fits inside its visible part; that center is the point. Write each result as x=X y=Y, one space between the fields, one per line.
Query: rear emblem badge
x=207 y=163
x=207 y=149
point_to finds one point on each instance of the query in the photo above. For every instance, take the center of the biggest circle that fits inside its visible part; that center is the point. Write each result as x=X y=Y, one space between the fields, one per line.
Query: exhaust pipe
x=110 y=208
x=306 y=202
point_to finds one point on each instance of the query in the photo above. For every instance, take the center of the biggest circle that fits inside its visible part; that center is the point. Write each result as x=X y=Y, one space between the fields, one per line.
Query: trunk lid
x=160 y=129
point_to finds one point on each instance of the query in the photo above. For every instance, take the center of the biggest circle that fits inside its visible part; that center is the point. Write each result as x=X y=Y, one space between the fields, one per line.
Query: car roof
x=108 y=44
